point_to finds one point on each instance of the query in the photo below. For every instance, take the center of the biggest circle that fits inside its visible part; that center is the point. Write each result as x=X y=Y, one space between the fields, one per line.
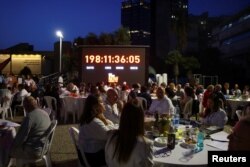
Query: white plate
x=188 y=146
x=161 y=141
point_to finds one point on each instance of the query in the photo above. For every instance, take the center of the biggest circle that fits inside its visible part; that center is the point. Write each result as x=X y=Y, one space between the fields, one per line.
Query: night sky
x=36 y=21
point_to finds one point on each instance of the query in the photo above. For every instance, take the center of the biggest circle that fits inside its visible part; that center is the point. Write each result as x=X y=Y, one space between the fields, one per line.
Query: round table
x=177 y=158
x=235 y=103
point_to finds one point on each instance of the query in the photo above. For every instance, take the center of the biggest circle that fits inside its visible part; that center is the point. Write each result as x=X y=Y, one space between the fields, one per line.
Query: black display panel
x=114 y=64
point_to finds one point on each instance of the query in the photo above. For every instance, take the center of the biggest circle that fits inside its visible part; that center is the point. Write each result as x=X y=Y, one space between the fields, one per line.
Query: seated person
x=239 y=138
x=29 y=140
x=214 y=115
x=128 y=146
x=188 y=106
x=72 y=88
x=112 y=106
x=93 y=131
x=162 y=105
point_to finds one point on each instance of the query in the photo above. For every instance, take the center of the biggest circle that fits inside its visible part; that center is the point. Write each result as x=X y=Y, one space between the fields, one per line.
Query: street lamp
x=60 y=35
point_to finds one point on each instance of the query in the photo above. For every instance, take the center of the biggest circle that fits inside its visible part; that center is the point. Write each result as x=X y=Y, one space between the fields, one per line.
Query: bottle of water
x=200 y=140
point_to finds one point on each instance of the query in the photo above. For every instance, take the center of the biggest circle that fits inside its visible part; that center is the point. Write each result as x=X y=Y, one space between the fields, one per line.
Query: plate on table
x=188 y=144
x=161 y=141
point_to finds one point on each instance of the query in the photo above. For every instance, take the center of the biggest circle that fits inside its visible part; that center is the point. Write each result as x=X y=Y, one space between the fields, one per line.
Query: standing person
x=207 y=93
x=226 y=89
x=128 y=146
x=29 y=140
x=93 y=131
x=219 y=94
x=60 y=80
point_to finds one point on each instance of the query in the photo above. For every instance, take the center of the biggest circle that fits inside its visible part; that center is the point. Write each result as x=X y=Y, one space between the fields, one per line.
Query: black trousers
x=96 y=159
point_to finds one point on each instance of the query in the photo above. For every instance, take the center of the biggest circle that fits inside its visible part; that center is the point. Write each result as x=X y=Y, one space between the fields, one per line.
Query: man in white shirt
x=112 y=111
x=162 y=105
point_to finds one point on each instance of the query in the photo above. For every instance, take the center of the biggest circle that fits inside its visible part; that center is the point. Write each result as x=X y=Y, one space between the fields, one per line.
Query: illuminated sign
x=112 y=78
x=128 y=63
x=4 y=57
x=19 y=61
x=112 y=59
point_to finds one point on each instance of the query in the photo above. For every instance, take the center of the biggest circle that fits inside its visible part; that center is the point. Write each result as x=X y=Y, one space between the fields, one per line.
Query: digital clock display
x=113 y=59
x=125 y=63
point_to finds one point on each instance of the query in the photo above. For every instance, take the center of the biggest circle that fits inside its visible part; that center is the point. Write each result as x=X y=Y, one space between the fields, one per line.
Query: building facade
x=232 y=38
x=135 y=15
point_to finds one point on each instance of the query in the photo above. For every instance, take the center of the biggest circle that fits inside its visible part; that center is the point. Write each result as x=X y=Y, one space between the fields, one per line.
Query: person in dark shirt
x=144 y=93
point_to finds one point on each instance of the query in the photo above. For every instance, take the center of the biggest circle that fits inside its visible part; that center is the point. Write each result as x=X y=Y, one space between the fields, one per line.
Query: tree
x=190 y=63
x=122 y=37
x=106 y=39
x=174 y=58
x=91 y=39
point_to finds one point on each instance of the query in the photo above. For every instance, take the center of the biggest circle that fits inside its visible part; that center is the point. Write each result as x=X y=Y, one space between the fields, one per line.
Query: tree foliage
x=176 y=59
x=118 y=37
x=122 y=37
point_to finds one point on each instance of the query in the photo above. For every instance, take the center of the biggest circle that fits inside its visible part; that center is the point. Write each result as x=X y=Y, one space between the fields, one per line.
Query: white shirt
x=23 y=93
x=93 y=136
x=218 y=118
x=162 y=106
x=112 y=113
x=29 y=82
x=60 y=81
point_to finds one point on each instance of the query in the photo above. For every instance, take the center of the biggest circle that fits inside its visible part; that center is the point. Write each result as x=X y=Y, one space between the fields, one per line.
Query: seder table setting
x=187 y=151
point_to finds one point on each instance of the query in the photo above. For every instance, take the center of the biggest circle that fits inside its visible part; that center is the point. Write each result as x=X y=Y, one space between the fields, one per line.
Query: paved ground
x=63 y=152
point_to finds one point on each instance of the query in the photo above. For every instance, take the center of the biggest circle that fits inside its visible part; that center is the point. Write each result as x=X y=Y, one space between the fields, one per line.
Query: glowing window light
x=119 y=67
x=133 y=68
x=90 y=67
x=108 y=67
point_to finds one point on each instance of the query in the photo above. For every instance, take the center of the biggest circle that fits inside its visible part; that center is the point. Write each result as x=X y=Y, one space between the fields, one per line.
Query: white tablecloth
x=7 y=136
x=235 y=103
x=177 y=158
x=77 y=105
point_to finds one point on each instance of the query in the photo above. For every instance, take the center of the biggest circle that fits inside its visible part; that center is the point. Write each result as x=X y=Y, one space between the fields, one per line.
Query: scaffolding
x=206 y=80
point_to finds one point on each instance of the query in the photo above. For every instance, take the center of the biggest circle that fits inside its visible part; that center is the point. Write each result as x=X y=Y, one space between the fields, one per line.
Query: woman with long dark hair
x=214 y=115
x=93 y=131
x=127 y=146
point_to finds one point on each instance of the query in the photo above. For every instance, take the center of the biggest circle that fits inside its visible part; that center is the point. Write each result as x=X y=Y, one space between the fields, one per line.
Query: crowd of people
x=107 y=105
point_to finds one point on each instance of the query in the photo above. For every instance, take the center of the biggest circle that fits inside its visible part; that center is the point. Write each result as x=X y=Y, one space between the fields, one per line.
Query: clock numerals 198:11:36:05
x=117 y=59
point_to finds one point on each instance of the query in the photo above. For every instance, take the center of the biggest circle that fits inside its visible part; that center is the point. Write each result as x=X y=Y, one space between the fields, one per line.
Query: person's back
x=127 y=145
x=39 y=123
x=29 y=140
x=141 y=155
x=239 y=138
